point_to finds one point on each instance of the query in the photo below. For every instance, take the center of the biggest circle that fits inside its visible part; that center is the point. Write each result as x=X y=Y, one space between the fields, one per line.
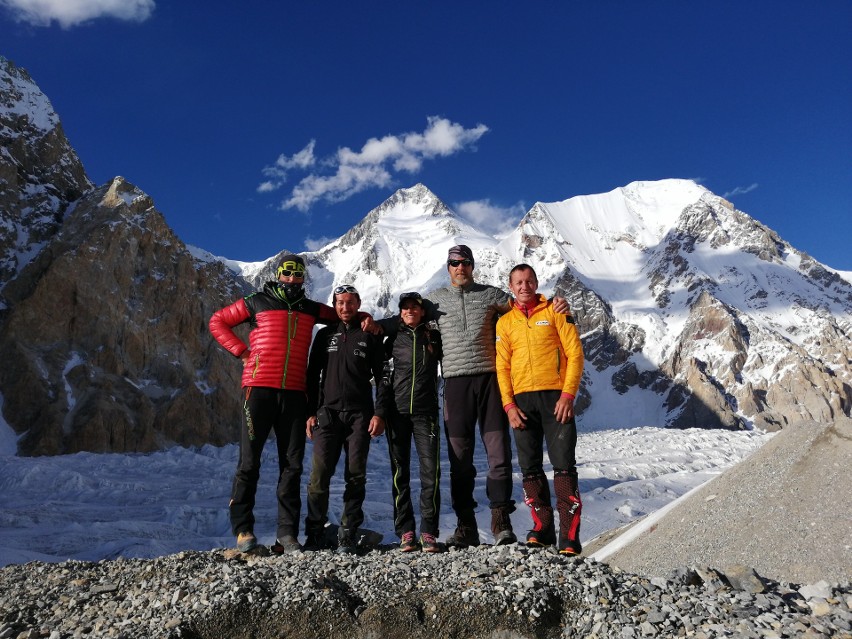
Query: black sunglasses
x=299 y=275
x=454 y=263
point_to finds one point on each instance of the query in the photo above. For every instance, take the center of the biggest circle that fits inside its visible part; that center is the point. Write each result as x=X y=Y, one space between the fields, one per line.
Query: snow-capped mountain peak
x=679 y=295
x=21 y=99
x=400 y=245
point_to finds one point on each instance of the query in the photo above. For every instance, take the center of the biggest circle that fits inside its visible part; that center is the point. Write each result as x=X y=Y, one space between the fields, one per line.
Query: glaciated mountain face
x=399 y=246
x=692 y=313
x=105 y=344
x=40 y=174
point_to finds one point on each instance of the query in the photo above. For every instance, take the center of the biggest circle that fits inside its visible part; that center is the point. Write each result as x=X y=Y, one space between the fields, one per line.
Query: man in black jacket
x=415 y=349
x=342 y=418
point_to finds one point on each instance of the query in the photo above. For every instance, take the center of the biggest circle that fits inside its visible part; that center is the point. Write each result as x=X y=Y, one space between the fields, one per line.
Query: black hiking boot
x=570 y=507
x=315 y=541
x=569 y=547
x=285 y=543
x=541 y=538
x=537 y=497
x=246 y=541
x=346 y=542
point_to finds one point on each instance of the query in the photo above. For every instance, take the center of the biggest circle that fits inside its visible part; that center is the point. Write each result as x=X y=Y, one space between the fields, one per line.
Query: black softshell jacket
x=416 y=353
x=343 y=360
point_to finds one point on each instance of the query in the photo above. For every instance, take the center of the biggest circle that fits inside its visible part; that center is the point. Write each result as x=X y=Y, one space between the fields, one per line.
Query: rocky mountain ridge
x=105 y=339
x=40 y=174
x=103 y=310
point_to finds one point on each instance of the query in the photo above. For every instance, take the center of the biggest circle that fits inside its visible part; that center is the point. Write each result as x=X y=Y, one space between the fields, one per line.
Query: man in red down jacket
x=281 y=321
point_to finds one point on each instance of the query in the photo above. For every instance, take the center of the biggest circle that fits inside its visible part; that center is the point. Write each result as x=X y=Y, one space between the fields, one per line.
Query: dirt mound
x=786 y=511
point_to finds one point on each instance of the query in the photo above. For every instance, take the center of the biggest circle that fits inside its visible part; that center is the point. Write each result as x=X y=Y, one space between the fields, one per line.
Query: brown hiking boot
x=501 y=526
x=246 y=541
x=466 y=533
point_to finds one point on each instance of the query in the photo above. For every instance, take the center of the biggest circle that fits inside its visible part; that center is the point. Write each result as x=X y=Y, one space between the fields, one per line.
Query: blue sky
x=261 y=126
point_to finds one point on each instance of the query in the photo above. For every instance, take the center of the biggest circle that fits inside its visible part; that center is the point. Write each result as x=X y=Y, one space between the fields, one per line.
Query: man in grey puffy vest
x=467 y=314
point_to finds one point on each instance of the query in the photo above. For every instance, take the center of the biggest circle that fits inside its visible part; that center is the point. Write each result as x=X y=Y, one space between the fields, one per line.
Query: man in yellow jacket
x=539 y=366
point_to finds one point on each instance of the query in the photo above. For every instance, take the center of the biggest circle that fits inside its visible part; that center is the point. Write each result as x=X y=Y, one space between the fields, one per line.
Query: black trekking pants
x=424 y=429
x=266 y=410
x=346 y=433
x=541 y=427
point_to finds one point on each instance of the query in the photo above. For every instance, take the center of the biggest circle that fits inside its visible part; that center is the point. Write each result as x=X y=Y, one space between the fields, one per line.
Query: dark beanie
x=460 y=252
x=292 y=258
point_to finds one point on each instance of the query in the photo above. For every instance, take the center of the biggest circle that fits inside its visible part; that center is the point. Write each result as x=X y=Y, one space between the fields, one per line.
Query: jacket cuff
x=509 y=406
x=568 y=395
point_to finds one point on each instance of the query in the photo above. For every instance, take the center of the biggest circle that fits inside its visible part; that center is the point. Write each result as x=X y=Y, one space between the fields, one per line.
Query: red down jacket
x=279 y=339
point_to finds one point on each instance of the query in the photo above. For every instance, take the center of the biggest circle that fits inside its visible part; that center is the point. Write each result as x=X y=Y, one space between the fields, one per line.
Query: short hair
x=523 y=267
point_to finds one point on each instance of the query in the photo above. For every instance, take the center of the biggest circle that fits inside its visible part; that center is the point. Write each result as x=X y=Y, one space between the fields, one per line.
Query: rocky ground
x=503 y=592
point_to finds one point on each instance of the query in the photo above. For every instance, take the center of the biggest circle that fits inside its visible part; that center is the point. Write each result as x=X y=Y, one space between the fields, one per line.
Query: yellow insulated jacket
x=539 y=352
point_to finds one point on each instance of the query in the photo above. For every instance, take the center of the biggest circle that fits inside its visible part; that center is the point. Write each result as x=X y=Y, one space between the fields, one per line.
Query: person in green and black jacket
x=415 y=349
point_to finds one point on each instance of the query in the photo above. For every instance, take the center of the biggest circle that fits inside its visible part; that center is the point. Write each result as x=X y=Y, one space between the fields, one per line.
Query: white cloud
x=740 y=190
x=316 y=243
x=348 y=181
x=374 y=165
x=490 y=218
x=277 y=173
x=70 y=13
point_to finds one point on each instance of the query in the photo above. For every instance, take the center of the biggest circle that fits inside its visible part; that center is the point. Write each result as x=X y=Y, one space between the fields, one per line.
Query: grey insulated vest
x=467 y=318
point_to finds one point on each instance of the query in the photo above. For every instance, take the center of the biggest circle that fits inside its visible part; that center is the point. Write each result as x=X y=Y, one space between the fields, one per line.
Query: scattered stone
x=743 y=578
x=484 y=592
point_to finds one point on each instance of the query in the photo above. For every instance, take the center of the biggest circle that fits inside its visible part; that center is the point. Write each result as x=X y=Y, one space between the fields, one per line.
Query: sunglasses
x=288 y=269
x=455 y=263
x=346 y=288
